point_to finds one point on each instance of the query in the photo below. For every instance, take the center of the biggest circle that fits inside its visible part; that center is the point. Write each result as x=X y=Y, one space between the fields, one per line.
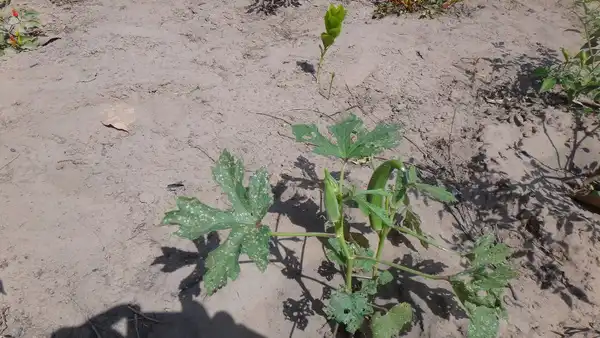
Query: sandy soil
x=81 y=250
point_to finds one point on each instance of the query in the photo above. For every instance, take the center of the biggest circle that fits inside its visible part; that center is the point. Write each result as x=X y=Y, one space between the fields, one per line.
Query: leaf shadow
x=174 y=259
x=440 y=301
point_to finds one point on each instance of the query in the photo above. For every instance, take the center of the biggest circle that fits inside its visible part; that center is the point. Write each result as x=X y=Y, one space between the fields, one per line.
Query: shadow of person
x=192 y=322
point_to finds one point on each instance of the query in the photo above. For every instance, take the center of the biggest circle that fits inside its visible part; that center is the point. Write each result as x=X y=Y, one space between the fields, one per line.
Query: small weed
x=427 y=8
x=386 y=199
x=578 y=76
x=19 y=29
x=334 y=17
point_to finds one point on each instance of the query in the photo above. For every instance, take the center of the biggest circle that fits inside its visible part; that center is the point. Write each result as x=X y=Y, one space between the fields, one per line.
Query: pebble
x=146 y=198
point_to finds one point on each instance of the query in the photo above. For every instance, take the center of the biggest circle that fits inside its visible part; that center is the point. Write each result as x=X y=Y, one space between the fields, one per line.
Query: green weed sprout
x=333 y=28
x=386 y=199
x=578 y=75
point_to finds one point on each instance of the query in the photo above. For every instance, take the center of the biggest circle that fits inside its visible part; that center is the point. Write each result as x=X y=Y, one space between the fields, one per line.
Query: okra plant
x=386 y=202
x=334 y=17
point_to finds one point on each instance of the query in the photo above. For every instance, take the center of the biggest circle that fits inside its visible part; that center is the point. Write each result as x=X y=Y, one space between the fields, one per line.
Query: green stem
x=422 y=238
x=382 y=237
x=403 y=268
x=302 y=234
x=320 y=65
x=340 y=236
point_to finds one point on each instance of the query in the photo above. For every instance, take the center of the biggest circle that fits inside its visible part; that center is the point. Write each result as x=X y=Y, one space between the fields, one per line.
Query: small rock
x=146 y=198
x=518 y=119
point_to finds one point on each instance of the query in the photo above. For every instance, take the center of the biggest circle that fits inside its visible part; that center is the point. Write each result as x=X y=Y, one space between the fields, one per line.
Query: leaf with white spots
x=248 y=207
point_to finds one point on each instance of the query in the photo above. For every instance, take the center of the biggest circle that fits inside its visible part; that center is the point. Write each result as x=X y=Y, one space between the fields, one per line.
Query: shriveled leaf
x=352 y=139
x=484 y=323
x=413 y=222
x=548 y=84
x=397 y=320
x=439 y=194
x=348 y=309
x=333 y=251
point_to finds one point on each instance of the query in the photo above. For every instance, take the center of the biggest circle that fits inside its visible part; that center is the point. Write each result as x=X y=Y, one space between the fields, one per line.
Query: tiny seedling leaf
x=437 y=193
x=395 y=321
x=348 y=309
x=247 y=236
x=333 y=25
x=548 y=84
x=484 y=323
x=353 y=141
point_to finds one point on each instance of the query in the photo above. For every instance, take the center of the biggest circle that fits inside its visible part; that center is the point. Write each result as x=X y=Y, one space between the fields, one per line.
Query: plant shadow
x=193 y=321
x=270 y=7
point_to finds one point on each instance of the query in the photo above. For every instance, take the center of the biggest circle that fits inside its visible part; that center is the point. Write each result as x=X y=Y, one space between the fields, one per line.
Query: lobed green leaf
x=397 y=320
x=352 y=139
x=349 y=309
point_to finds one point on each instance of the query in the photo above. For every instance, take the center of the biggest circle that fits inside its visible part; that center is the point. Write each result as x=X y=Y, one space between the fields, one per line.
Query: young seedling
x=427 y=8
x=578 y=75
x=386 y=198
x=19 y=29
x=333 y=27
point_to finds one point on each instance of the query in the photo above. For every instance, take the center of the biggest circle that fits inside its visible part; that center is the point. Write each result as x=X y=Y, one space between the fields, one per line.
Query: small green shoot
x=427 y=8
x=386 y=199
x=334 y=17
x=578 y=76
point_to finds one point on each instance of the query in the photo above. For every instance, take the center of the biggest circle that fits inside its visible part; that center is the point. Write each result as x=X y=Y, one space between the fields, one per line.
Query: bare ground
x=81 y=251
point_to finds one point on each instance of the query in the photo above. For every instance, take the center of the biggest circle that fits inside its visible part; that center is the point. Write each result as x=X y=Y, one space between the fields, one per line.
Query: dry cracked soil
x=82 y=251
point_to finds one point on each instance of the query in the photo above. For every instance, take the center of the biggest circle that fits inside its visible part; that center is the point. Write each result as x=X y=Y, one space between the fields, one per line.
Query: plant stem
x=382 y=237
x=302 y=234
x=379 y=307
x=321 y=59
x=340 y=236
x=403 y=268
x=422 y=238
x=330 y=85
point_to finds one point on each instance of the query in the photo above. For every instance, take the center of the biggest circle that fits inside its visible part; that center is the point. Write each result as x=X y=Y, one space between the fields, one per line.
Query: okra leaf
x=371 y=209
x=486 y=252
x=439 y=194
x=395 y=321
x=248 y=207
x=334 y=252
x=352 y=139
x=484 y=323
x=348 y=309
x=222 y=263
